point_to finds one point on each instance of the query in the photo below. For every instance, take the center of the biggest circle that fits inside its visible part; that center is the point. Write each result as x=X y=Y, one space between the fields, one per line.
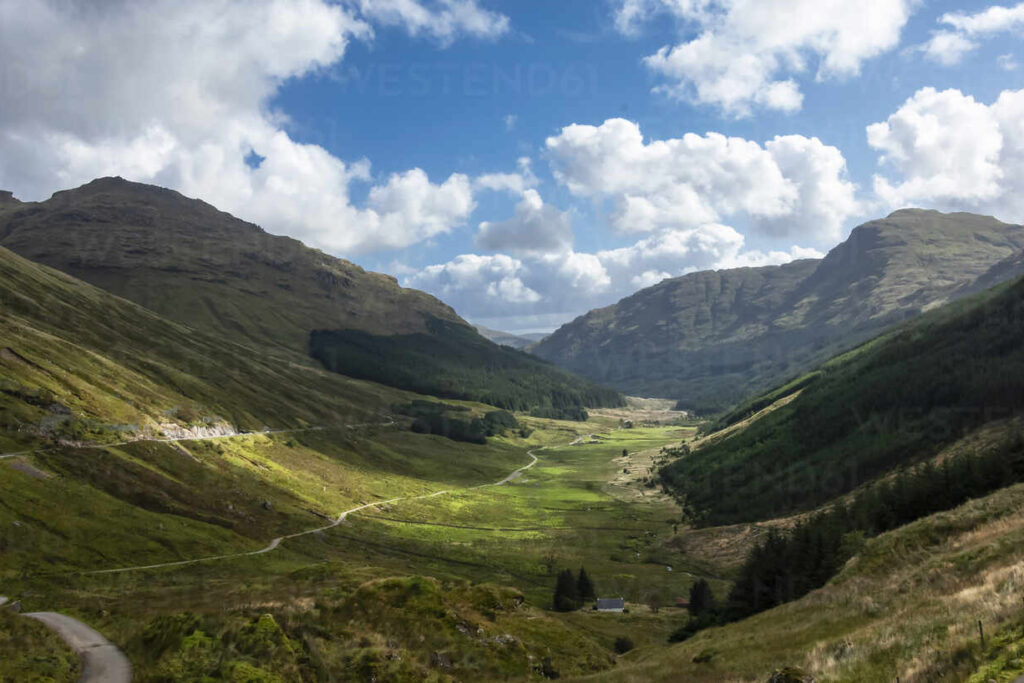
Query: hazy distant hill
x=193 y=264
x=516 y=341
x=712 y=337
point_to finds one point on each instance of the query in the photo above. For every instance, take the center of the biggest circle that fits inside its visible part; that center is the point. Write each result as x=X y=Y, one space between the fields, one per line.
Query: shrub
x=623 y=644
x=790 y=674
x=692 y=627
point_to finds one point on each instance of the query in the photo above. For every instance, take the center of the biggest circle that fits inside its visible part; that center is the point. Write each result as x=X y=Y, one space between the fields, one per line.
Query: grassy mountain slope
x=75 y=358
x=451 y=361
x=907 y=606
x=711 y=338
x=894 y=400
x=31 y=652
x=78 y=364
x=188 y=262
x=697 y=334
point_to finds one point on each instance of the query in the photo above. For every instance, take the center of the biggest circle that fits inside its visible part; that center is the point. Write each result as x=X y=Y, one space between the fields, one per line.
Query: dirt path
x=102 y=662
x=275 y=543
x=515 y=475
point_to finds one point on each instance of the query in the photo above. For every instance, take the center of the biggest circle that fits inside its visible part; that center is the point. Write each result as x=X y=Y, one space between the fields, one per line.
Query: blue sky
x=380 y=123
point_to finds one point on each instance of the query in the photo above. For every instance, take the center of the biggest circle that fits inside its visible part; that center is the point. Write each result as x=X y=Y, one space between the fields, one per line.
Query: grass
x=457 y=585
x=472 y=572
x=81 y=364
x=907 y=606
x=31 y=653
x=560 y=513
x=171 y=504
x=1004 y=655
x=193 y=499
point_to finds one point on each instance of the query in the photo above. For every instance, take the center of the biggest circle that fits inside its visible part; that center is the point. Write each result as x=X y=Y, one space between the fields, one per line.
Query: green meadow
x=478 y=561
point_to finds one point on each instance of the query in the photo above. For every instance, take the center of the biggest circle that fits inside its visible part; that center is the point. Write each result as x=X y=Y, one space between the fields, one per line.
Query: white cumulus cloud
x=745 y=53
x=442 y=20
x=558 y=285
x=947 y=46
x=486 y=280
x=792 y=186
x=536 y=227
x=948 y=150
x=991 y=20
x=178 y=94
x=513 y=183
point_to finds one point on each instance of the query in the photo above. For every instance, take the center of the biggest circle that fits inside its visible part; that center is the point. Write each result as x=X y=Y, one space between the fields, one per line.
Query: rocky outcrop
x=177 y=432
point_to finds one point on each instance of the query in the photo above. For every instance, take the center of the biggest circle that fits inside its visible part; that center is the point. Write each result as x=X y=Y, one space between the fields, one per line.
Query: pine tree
x=585 y=587
x=566 y=593
x=701 y=599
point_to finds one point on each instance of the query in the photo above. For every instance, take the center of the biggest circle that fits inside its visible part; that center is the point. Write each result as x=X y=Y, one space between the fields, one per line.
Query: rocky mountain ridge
x=710 y=338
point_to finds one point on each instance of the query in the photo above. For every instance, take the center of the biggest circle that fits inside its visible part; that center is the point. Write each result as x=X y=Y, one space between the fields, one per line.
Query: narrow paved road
x=101 y=661
x=14 y=455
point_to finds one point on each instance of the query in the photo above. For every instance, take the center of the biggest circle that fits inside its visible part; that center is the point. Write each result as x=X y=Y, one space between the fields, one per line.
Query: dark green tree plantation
x=567 y=597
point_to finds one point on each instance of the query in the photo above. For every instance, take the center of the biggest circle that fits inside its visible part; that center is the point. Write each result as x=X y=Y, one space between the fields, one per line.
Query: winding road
x=275 y=543
x=103 y=662
x=14 y=455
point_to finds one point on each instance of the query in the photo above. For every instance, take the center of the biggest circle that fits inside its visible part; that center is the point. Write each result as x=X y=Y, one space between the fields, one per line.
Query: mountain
x=77 y=359
x=1007 y=269
x=516 y=341
x=188 y=262
x=453 y=361
x=710 y=338
x=896 y=400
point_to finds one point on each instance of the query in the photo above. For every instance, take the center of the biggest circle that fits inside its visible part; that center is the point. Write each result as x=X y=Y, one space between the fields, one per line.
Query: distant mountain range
x=516 y=341
x=710 y=338
x=192 y=264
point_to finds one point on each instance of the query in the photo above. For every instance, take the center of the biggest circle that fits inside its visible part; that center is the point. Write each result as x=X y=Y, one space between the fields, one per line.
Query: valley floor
x=154 y=503
x=436 y=573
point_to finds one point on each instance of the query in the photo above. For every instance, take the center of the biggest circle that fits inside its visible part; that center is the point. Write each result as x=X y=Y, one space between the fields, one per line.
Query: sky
x=527 y=160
